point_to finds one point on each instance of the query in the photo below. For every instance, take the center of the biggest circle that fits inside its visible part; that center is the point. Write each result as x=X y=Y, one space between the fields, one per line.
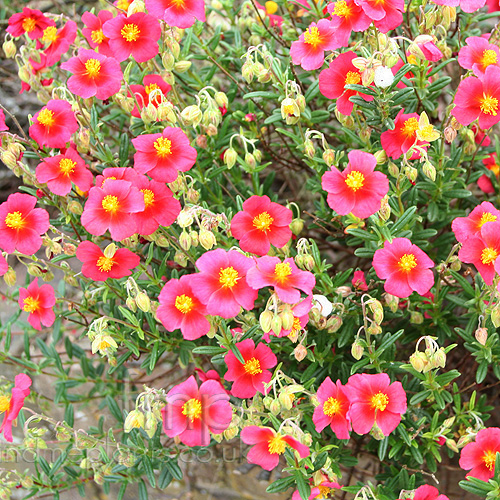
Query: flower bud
x=207 y=239
x=150 y=425
x=393 y=169
x=130 y=303
x=416 y=318
x=296 y=226
x=134 y=420
x=192 y=115
x=185 y=218
x=9 y=48
x=381 y=156
x=309 y=262
x=276 y=324
x=275 y=407
x=450 y=134
x=385 y=208
x=418 y=361
x=284 y=398
x=75 y=208
x=168 y=60
x=180 y=258
x=247 y=71
x=309 y=148
x=429 y=170
x=481 y=335
x=329 y=156
x=10 y=277
x=300 y=352
x=9 y=159
x=374 y=329
x=287 y=319
x=221 y=99
x=265 y=320
x=495 y=316
x=357 y=350
x=439 y=358
x=411 y=173
x=185 y=241
x=250 y=160
x=378 y=311
x=182 y=66
x=143 y=302
x=334 y=323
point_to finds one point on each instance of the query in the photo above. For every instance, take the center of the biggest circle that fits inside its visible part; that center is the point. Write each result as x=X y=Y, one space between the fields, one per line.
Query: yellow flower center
x=409 y=127
x=228 y=277
x=489 y=105
x=289 y=109
x=46 y=117
x=105 y=263
x=149 y=88
x=50 y=34
x=184 y=304
x=97 y=36
x=495 y=168
x=341 y=9
x=407 y=262
x=380 y=401
x=192 y=409
x=331 y=407
x=4 y=403
x=262 y=222
x=489 y=459
x=149 y=197
x=282 y=271
x=296 y=327
x=276 y=445
x=488 y=255
x=110 y=203
x=178 y=3
x=123 y=4
x=486 y=217
x=352 y=78
x=30 y=304
x=93 y=67
x=162 y=146
x=252 y=366
x=355 y=180
x=103 y=344
x=29 y=24
x=312 y=36
x=427 y=133
x=67 y=166
x=324 y=492
x=489 y=57
x=15 y=220
x=130 y=32
x=271 y=8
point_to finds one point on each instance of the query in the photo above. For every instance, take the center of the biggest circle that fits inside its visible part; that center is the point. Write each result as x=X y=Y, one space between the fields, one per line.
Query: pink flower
x=136 y=36
x=30 y=21
x=54 y=124
x=13 y=405
x=333 y=409
x=359 y=281
x=427 y=492
x=346 y=18
x=59 y=41
x=286 y=278
x=3 y=126
x=375 y=401
x=323 y=490
x=332 y=82
x=405 y=268
x=385 y=14
x=99 y=266
x=93 y=31
x=429 y=49
x=484 y=182
x=478 y=54
x=192 y=413
x=483 y=250
x=468 y=6
x=116 y=174
x=38 y=303
x=269 y=445
x=466 y=227
x=269 y=11
x=260 y=224
x=179 y=13
x=480 y=456
x=93 y=75
x=221 y=284
x=181 y=309
x=21 y=224
x=163 y=156
x=111 y=207
x=155 y=86
x=249 y=377
x=59 y=172
x=358 y=189
x=309 y=49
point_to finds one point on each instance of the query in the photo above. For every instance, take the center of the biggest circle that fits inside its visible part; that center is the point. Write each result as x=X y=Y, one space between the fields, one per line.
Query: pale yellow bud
x=143 y=302
x=481 y=335
x=207 y=239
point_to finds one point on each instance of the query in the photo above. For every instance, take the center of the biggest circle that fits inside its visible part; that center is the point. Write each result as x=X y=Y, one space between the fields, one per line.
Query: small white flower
x=324 y=305
x=383 y=77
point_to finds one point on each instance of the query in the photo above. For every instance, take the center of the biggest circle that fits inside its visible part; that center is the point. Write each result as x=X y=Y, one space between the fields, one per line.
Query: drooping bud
x=143 y=302
x=185 y=241
x=192 y=115
x=481 y=335
x=207 y=239
x=357 y=350
x=300 y=352
x=9 y=48
x=265 y=320
x=296 y=226
x=230 y=157
x=134 y=420
x=329 y=157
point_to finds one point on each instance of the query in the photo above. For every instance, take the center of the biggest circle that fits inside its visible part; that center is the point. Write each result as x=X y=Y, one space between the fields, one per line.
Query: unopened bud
x=300 y=352
x=411 y=173
x=275 y=407
x=207 y=239
x=143 y=302
x=495 y=316
x=429 y=170
x=276 y=324
x=450 y=134
x=439 y=358
x=250 y=160
x=9 y=48
x=75 y=207
x=374 y=329
x=357 y=350
x=265 y=320
x=296 y=226
x=334 y=323
x=10 y=277
x=378 y=311
x=452 y=445
x=393 y=169
x=9 y=159
x=329 y=156
x=287 y=319
x=134 y=420
x=185 y=219
x=185 y=241
x=381 y=156
x=309 y=148
x=230 y=157
x=416 y=318
x=130 y=303
x=221 y=99
x=191 y=115
x=481 y=335
x=418 y=361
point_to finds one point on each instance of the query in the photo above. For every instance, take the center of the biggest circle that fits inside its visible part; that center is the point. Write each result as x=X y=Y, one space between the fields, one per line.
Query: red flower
x=38 y=303
x=480 y=456
x=478 y=54
x=333 y=409
x=179 y=13
x=346 y=18
x=260 y=224
x=111 y=207
x=478 y=98
x=385 y=14
x=62 y=170
x=93 y=75
x=221 y=284
x=269 y=445
x=99 y=265
x=286 y=278
x=249 y=377
x=332 y=82
x=30 y=21
x=54 y=124
x=405 y=268
x=484 y=182
x=359 y=281
x=375 y=401
x=427 y=492
x=135 y=36
x=192 y=413
x=59 y=41
x=153 y=84
x=21 y=224
x=3 y=126
x=180 y=309
x=13 y=405
x=358 y=189
x=163 y=156
x=93 y=31
x=466 y=227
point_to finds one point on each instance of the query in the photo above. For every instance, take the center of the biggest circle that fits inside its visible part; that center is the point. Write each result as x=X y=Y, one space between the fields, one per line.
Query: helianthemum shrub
x=284 y=216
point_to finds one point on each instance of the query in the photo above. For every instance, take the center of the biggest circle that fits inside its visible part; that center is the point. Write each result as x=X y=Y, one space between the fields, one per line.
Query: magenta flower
x=405 y=268
x=478 y=54
x=151 y=92
x=375 y=401
x=286 y=278
x=249 y=377
x=29 y=21
x=346 y=18
x=479 y=457
x=13 y=405
x=466 y=227
x=323 y=490
x=427 y=492
x=38 y=303
x=358 y=189
x=93 y=31
x=179 y=13
x=468 y=6
x=3 y=125
x=386 y=14
x=59 y=41
x=192 y=413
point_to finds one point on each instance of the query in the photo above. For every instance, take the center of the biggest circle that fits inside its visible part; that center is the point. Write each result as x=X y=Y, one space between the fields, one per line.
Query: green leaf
x=302 y=485
x=281 y=485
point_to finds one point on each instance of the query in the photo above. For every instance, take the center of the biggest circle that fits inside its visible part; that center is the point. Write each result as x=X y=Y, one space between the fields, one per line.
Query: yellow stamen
x=192 y=409
x=407 y=262
x=50 y=34
x=29 y=24
x=486 y=217
x=271 y=8
x=252 y=366
x=105 y=264
x=149 y=197
x=495 y=168
x=184 y=304
x=289 y=109
x=489 y=57
x=312 y=36
x=93 y=67
x=355 y=180
x=123 y=4
x=162 y=146
x=331 y=407
x=341 y=9
x=110 y=203
x=46 y=117
x=282 y=271
x=409 y=127
x=276 y=445
x=4 y=403
x=130 y=32
x=67 y=166
x=15 y=220
x=149 y=88
x=228 y=277
x=488 y=105
x=380 y=401
x=262 y=222
x=488 y=255
x=427 y=133
x=30 y=304
x=324 y=492
x=352 y=78
x=296 y=327
x=489 y=459
x=97 y=36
